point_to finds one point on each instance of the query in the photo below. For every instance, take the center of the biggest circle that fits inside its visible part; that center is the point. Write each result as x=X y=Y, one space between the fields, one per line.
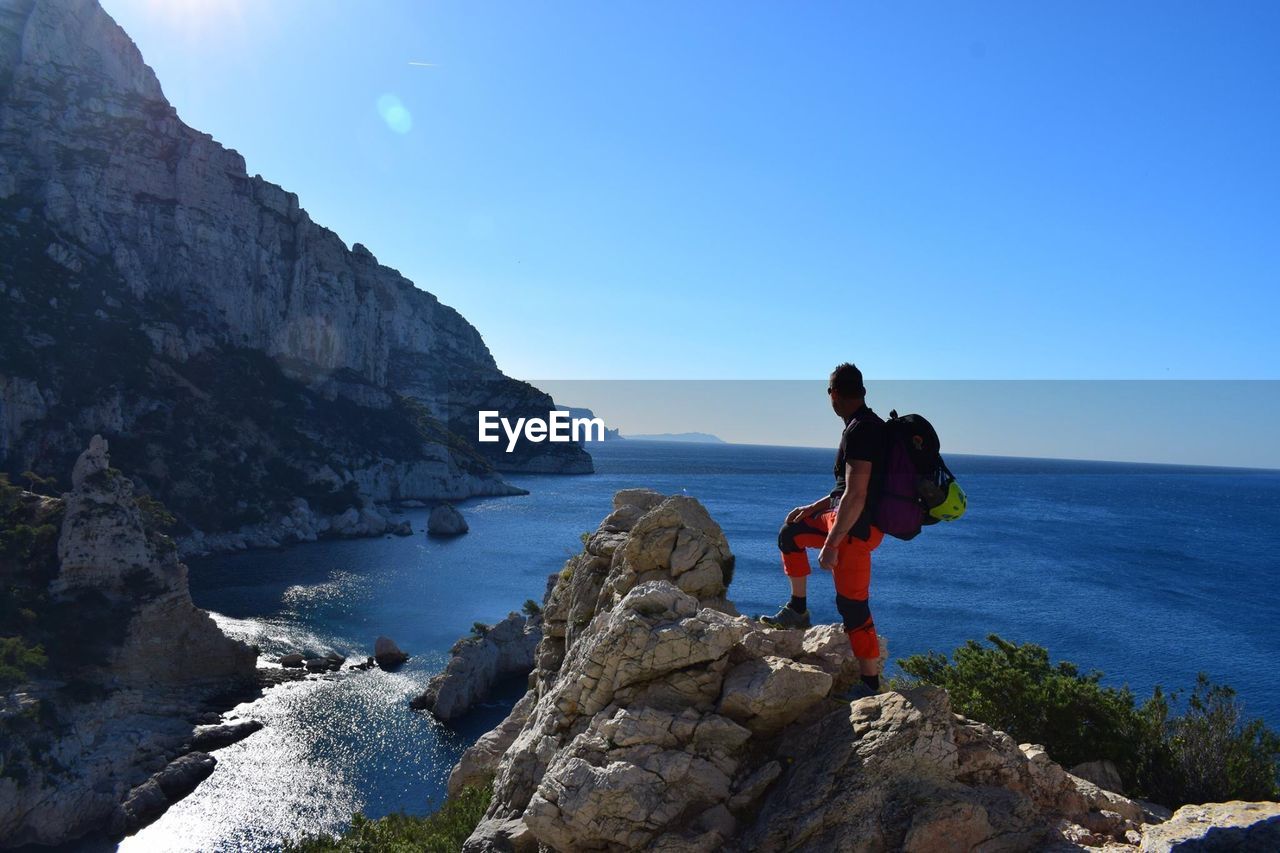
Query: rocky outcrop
x=478 y=663
x=445 y=520
x=387 y=653
x=239 y=356
x=133 y=662
x=658 y=718
x=1102 y=773
x=216 y=736
x=104 y=548
x=150 y=800
x=1217 y=827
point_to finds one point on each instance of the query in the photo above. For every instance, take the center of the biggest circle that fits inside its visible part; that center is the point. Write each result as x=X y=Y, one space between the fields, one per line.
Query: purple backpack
x=915 y=477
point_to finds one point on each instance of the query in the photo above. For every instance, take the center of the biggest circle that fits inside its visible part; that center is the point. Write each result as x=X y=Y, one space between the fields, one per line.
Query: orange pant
x=852 y=573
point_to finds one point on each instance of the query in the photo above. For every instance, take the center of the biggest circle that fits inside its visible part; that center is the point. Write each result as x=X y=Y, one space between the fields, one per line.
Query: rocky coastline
x=479 y=662
x=117 y=701
x=126 y=716
x=658 y=718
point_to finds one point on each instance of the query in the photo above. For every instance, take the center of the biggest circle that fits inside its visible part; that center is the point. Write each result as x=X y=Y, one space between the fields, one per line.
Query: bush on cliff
x=1208 y=754
x=442 y=832
x=18 y=661
x=28 y=532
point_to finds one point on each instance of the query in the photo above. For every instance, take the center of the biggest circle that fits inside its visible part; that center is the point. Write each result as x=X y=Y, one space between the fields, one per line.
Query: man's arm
x=857 y=476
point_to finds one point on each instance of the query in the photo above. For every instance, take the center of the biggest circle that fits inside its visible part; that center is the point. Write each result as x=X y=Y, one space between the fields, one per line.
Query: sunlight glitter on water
x=277 y=636
x=285 y=777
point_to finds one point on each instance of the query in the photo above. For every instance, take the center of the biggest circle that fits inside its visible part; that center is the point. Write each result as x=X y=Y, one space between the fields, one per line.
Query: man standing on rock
x=840 y=524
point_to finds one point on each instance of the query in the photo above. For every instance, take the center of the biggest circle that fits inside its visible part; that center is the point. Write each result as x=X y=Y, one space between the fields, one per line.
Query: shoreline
x=304 y=525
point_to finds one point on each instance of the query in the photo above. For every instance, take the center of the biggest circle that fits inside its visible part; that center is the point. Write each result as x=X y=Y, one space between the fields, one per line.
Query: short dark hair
x=847 y=381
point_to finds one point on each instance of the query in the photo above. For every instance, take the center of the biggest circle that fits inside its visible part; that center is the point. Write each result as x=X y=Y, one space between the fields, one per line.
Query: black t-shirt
x=863 y=438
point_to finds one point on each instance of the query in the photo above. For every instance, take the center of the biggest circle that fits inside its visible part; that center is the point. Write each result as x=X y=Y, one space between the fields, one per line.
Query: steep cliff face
x=659 y=719
x=140 y=266
x=130 y=660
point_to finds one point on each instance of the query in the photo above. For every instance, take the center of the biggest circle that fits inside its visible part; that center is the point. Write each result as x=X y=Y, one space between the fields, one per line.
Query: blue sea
x=1149 y=573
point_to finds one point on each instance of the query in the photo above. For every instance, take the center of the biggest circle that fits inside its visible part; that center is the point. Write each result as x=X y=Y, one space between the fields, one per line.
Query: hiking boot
x=787 y=618
x=856 y=692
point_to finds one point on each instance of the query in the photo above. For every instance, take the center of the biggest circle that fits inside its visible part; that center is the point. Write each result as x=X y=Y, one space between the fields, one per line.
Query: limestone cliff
x=238 y=355
x=131 y=661
x=658 y=719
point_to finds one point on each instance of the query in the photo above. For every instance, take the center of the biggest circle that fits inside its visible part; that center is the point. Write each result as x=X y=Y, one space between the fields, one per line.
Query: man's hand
x=802 y=512
x=828 y=557
x=799 y=513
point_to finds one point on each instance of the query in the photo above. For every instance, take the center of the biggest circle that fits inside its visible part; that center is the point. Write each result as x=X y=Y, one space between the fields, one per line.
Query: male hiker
x=840 y=524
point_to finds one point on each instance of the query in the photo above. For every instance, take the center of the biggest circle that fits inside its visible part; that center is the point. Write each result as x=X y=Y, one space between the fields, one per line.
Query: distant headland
x=695 y=437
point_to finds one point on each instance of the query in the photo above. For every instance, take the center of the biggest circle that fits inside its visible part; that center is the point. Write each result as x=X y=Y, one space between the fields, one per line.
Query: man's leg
x=793 y=539
x=853 y=581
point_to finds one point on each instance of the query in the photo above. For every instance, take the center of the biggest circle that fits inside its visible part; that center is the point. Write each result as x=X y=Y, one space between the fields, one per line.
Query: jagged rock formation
x=104 y=547
x=132 y=663
x=478 y=663
x=238 y=355
x=659 y=719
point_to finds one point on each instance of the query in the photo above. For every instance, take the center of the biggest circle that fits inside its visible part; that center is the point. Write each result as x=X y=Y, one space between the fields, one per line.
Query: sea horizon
x=1141 y=463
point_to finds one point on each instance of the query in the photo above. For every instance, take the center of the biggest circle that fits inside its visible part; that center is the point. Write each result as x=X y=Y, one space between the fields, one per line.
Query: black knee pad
x=787 y=535
x=854 y=612
x=787 y=539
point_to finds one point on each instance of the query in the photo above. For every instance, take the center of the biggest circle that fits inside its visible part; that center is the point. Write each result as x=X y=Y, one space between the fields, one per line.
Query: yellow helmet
x=953 y=506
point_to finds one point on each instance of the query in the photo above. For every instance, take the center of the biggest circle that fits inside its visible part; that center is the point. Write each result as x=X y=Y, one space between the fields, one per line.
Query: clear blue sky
x=761 y=190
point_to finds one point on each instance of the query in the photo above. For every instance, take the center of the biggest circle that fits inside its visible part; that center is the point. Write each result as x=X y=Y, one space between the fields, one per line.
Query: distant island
x=692 y=437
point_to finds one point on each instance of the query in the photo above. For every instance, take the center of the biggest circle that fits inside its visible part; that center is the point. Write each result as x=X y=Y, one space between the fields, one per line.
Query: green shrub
x=40 y=485
x=18 y=660
x=23 y=542
x=155 y=515
x=1207 y=755
x=531 y=608
x=442 y=832
x=1217 y=756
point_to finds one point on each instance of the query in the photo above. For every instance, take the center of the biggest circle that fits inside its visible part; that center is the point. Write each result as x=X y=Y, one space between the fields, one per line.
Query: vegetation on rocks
x=1209 y=753
x=18 y=660
x=28 y=561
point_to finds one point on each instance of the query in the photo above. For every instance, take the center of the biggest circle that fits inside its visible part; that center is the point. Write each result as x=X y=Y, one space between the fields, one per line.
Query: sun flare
x=197 y=19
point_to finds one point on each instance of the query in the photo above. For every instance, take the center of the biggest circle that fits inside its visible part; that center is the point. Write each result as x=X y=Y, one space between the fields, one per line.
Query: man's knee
x=859 y=626
x=795 y=536
x=854 y=612
x=787 y=536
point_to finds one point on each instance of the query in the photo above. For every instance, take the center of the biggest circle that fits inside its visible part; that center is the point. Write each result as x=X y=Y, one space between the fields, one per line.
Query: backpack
x=915 y=479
